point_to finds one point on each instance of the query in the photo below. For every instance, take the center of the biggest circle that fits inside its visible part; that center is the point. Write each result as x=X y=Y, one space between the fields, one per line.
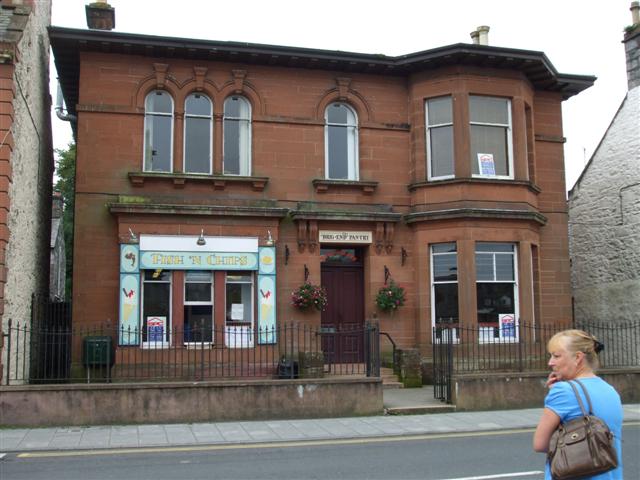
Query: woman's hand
x=551 y=379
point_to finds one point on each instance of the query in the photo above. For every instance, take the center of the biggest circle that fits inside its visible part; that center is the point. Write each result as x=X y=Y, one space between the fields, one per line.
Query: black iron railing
x=37 y=354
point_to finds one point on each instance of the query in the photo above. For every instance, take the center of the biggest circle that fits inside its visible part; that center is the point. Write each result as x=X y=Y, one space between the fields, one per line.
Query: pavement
x=273 y=431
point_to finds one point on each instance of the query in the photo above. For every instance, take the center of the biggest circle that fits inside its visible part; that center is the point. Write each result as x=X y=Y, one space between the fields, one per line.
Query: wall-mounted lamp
x=387 y=274
x=132 y=237
x=404 y=255
x=201 y=241
x=269 y=240
x=286 y=254
x=306 y=273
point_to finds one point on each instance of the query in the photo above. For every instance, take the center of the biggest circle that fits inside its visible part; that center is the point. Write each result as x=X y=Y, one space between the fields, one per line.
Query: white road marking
x=500 y=475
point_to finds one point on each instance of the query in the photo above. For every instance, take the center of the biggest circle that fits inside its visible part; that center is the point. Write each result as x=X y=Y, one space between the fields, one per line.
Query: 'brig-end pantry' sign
x=335 y=236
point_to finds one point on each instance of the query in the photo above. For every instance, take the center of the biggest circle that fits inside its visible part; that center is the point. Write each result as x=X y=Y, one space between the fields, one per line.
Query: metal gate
x=442 y=342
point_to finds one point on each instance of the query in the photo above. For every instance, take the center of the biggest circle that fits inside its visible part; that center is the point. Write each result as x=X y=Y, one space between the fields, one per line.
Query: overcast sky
x=578 y=37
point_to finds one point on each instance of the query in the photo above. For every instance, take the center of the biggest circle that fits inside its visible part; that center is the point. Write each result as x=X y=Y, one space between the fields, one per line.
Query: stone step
x=392 y=384
x=420 y=410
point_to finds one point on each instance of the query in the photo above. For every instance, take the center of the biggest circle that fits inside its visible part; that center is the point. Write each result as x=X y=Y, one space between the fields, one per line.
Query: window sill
x=323 y=185
x=480 y=180
x=219 y=182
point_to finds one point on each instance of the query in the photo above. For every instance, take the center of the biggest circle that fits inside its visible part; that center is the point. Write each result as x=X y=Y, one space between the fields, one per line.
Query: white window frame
x=244 y=166
x=168 y=326
x=144 y=140
x=249 y=330
x=210 y=303
x=516 y=296
x=184 y=136
x=508 y=126
x=353 y=154
x=429 y=127
x=456 y=337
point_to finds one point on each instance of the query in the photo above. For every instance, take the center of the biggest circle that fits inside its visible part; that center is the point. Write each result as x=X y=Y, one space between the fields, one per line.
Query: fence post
x=8 y=351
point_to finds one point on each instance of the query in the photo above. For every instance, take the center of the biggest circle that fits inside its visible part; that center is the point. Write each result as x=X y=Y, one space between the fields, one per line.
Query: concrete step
x=392 y=384
x=420 y=409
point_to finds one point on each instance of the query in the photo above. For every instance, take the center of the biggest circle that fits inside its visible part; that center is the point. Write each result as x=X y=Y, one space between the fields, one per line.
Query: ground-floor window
x=239 y=309
x=198 y=307
x=496 y=290
x=156 y=307
x=444 y=286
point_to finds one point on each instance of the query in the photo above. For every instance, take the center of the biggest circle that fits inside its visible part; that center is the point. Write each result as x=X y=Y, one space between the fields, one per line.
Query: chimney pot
x=474 y=37
x=100 y=15
x=635 y=12
x=483 y=35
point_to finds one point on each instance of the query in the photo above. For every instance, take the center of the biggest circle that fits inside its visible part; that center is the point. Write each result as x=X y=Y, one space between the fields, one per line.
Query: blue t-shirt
x=606 y=405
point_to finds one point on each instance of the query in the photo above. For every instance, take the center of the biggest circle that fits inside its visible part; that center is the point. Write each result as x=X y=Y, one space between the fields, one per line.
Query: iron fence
x=461 y=349
x=105 y=353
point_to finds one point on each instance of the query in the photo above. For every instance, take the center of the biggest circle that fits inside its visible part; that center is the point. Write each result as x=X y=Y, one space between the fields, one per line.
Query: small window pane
x=158 y=143
x=239 y=277
x=484 y=267
x=159 y=102
x=494 y=299
x=197 y=276
x=157 y=275
x=239 y=305
x=443 y=247
x=494 y=247
x=338 y=152
x=197 y=104
x=488 y=110
x=236 y=107
x=491 y=140
x=231 y=147
x=439 y=110
x=504 y=267
x=197 y=292
x=445 y=267
x=441 y=151
x=446 y=303
x=198 y=323
x=341 y=114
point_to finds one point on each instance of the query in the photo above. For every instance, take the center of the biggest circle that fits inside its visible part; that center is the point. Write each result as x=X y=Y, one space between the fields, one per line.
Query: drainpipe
x=65 y=117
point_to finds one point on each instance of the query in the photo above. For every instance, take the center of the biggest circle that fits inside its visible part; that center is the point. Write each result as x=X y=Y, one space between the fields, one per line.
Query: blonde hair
x=577 y=341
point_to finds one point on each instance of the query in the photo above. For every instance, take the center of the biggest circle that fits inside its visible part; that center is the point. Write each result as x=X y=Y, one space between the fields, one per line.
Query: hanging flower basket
x=308 y=295
x=390 y=297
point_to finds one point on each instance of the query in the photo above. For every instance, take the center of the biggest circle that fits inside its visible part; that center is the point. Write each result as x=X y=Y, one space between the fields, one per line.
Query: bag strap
x=586 y=394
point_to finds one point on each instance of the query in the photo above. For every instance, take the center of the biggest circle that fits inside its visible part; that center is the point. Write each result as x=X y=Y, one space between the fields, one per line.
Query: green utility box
x=98 y=351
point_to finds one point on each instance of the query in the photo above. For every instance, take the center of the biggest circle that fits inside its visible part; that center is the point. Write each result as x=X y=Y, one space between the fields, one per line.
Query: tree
x=66 y=185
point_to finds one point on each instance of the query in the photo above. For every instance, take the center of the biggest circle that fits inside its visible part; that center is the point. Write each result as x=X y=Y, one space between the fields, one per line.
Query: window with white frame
x=439 y=116
x=341 y=142
x=198 y=306
x=158 y=132
x=156 y=308
x=197 y=134
x=236 y=158
x=239 y=309
x=444 y=290
x=496 y=290
x=490 y=137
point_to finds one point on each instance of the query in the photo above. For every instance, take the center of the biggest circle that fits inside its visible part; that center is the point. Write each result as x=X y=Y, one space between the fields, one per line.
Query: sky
x=578 y=36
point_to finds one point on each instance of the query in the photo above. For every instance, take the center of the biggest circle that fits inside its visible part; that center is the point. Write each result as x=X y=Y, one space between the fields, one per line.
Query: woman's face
x=562 y=362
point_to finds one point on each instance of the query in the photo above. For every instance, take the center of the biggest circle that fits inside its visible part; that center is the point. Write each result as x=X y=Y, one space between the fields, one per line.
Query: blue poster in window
x=486 y=165
x=155 y=329
x=508 y=327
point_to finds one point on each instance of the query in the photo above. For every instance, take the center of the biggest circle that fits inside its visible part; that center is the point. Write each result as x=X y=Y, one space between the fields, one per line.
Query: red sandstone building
x=209 y=173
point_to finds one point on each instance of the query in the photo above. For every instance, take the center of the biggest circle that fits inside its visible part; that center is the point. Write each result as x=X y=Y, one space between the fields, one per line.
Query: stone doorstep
x=420 y=410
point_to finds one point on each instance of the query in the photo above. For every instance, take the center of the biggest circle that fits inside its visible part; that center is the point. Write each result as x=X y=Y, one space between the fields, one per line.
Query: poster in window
x=508 y=327
x=237 y=311
x=155 y=329
x=486 y=165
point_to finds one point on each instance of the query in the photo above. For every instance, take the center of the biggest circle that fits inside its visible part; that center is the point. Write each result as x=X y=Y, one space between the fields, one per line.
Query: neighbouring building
x=214 y=178
x=604 y=210
x=26 y=164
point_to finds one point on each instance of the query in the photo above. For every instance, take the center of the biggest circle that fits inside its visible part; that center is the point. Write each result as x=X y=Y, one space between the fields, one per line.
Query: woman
x=574 y=355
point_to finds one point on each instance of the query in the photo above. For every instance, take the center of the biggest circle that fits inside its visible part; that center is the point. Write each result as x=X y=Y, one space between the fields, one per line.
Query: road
x=502 y=454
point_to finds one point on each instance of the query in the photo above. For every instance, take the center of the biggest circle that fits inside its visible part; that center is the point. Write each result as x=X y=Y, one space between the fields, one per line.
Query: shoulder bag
x=583 y=446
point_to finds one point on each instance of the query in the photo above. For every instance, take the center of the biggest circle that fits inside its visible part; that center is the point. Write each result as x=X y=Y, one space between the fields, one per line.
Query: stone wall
x=102 y=404
x=27 y=198
x=605 y=221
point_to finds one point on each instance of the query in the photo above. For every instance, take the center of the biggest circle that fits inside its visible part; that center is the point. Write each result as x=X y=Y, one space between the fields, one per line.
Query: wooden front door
x=343 y=320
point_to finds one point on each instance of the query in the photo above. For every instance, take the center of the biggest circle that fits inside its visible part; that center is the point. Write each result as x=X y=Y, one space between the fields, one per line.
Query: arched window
x=236 y=157
x=197 y=134
x=341 y=142
x=158 y=132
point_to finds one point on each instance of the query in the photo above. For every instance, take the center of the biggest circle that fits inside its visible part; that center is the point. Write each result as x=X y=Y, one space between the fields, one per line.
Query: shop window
x=239 y=309
x=236 y=157
x=158 y=132
x=341 y=143
x=156 y=308
x=490 y=137
x=444 y=287
x=198 y=307
x=496 y=290
x=439 y=115
x=197 y=134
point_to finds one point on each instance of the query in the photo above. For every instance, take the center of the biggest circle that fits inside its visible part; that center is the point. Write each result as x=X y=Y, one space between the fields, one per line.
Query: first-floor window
x=156 y=307
x=198 y=307
x=239 y=309
x=496 y=290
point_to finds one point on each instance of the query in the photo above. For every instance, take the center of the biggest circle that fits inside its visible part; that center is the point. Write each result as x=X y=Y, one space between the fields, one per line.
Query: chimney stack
x=632 y=47
x=100 y=15
x=481 y=35
x=56 y=205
